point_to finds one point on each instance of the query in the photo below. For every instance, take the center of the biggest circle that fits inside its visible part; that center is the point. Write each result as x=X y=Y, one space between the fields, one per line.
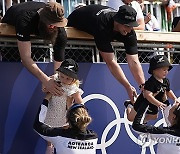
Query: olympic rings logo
x=142 y=139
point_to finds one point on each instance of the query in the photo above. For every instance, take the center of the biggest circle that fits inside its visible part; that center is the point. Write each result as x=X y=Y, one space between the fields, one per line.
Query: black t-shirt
x=25 y=18
x=97 y=20
x=155 y=86
x=158 y=89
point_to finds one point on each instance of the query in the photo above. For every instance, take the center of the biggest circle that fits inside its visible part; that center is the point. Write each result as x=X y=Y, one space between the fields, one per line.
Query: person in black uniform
x=107 y=25
x=46 y=21
x=156 y=90
x=168 y=138
x=176 y=24
x=76 y=139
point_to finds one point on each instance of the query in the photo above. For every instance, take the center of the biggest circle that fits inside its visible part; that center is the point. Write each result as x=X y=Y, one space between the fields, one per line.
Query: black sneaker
x=127 y=102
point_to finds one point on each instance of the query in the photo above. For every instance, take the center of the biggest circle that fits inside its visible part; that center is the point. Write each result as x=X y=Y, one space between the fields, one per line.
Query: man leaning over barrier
x=46 y=21
x=106 y=25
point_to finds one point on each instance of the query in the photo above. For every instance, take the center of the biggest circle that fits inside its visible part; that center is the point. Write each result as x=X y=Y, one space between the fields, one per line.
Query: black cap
x=126 y=16
x=159 y=61
x=69 y=67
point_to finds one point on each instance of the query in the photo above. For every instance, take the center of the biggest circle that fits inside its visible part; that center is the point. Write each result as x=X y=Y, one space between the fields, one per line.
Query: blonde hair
x=79 y=118
x=75 y=81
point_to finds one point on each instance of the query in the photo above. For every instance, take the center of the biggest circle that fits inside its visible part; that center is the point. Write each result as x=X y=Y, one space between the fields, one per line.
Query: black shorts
x=152 y=109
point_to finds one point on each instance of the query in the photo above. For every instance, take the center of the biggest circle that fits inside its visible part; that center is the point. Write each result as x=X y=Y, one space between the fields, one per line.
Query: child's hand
x=162 y=106
x=48 y=96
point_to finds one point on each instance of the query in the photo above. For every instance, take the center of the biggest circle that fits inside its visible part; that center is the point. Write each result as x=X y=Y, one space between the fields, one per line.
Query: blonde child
x=67 y=78
x=156 y=90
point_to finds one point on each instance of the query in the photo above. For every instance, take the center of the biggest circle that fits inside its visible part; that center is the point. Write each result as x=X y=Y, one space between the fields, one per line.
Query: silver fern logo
x=160 y=60
x=69 y=67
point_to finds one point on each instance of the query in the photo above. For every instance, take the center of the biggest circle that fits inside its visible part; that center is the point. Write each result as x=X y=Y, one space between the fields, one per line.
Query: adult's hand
x=52 y=86
x=49 y=84
x=162 y=106
x=132 y=93
x=147 y=18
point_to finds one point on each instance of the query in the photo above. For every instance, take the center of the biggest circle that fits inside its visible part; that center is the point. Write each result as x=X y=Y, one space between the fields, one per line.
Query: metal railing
x=86 y=51
x=155 y=8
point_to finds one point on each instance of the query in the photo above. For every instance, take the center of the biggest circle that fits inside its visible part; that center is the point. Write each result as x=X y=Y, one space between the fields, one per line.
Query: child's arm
x=77 y=98
x=48 y=96
x=172 y=96
x=150 y=97
x=69 y=102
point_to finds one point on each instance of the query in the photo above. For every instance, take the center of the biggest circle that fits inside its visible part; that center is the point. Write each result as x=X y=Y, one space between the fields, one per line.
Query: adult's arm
x=136 y=68
x=59 y=47
x=155 y=132
x=165 y=114
x=141 y=24
x=139 y=17
x=41 y=128
x=25 y=53
x=118 y=73
x=130 y=45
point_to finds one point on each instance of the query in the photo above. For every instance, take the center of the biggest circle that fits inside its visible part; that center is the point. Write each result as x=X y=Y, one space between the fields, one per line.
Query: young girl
x=67 y=78
x=156 y=90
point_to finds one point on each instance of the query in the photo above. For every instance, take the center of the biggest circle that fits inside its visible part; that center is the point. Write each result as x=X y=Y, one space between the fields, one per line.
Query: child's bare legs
x=150 y=117
x=131 y=113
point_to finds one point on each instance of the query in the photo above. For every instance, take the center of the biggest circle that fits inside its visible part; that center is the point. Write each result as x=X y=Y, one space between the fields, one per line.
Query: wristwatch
x=141 y=85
